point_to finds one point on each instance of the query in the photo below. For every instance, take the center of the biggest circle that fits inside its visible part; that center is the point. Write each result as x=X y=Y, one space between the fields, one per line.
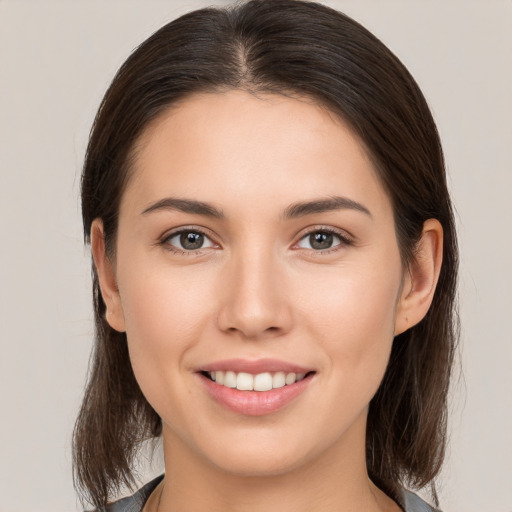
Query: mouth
x=260 y=382
x=255 y=388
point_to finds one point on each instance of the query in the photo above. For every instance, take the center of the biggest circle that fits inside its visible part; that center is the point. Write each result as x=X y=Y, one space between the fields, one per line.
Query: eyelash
x=177 y=250
x=344 y=239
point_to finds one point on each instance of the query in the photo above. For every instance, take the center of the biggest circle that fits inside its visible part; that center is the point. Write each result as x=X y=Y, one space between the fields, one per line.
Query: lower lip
x=255 y=403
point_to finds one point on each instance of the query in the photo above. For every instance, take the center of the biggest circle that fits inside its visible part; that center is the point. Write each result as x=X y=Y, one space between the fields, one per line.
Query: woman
x=274 y=269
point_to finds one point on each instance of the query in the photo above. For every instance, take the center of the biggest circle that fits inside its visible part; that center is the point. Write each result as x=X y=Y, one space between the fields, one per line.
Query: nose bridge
x=254 y=302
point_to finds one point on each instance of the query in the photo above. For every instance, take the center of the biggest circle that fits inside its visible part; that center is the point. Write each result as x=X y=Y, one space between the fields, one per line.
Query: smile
x=244 y=381
x=255 y=388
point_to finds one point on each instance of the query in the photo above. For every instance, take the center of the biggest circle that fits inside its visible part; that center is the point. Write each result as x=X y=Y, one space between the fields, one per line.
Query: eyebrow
x=293 y=211
x=186 y=206
x=328 y=204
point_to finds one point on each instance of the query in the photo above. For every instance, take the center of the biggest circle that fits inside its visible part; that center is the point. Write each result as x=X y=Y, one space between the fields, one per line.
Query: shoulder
x=411 y=502
x=136 y=502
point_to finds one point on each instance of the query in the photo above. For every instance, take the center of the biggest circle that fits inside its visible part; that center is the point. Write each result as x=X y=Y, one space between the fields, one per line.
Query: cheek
x=352 y=314
x=164 y=313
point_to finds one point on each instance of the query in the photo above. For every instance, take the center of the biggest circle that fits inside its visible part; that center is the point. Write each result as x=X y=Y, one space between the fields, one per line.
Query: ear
x=107 y=278
x=421 y=277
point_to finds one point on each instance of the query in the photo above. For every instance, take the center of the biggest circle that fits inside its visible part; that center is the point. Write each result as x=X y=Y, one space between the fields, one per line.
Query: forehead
x=271 y=147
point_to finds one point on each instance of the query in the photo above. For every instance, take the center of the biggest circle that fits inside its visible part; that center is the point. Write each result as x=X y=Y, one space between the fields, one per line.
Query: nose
x=253 y=301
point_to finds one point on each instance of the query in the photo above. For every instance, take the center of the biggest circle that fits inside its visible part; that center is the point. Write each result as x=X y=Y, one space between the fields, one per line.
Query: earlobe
x=106 y=277
x=421 y=278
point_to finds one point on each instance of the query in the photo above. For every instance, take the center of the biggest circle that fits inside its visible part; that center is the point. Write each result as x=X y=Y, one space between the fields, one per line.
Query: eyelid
x=346 y=239
x=164 y=240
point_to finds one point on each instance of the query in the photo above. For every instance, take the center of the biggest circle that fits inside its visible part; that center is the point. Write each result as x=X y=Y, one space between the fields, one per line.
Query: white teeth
x=261 y=382
x=290 y=378
x=245 y=382
x=230 y=379
x=278 y=380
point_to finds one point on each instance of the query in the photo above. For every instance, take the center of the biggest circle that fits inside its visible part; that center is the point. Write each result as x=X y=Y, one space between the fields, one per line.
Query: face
x=256 y=247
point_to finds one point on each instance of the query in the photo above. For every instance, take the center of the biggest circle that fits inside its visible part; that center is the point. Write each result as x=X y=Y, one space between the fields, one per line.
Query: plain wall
x=56 y=60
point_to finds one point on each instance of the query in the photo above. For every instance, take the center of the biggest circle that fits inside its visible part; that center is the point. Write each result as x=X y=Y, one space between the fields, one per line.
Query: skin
x=258 y=288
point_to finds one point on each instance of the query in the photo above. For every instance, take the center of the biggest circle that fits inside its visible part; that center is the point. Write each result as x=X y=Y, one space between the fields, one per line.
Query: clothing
x=409 y=501
x=136 y=502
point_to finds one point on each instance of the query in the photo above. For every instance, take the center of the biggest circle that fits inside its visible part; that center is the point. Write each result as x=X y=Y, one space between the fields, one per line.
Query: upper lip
x=254 y=366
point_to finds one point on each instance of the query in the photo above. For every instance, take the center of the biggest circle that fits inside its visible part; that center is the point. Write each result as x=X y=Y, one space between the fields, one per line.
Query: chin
x=265 y=452
x=256 y=465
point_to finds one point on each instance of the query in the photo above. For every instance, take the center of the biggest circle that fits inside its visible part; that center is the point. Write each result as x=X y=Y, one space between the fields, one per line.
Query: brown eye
x=189 y=240
x=321 y=240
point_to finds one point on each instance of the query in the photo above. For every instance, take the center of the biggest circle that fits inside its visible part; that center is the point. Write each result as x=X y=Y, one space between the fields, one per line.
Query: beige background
x=57 y=58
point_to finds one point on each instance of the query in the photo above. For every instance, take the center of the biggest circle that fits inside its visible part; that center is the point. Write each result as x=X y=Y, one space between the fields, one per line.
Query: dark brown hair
x=287 y=47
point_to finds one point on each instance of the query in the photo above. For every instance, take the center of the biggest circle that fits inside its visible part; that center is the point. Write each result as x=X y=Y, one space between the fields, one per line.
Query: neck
x=336 y=481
